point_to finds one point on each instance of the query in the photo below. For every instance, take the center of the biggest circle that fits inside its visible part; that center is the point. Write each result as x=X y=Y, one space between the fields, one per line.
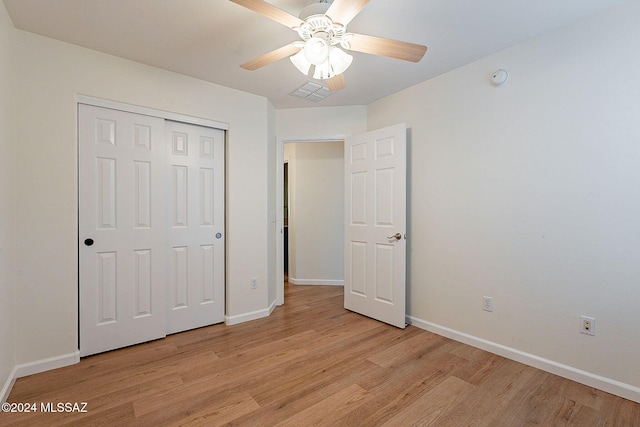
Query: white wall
x=529 y=193
x=316 y=221
x=51 y=73
x=7 y=207
x=322 y=121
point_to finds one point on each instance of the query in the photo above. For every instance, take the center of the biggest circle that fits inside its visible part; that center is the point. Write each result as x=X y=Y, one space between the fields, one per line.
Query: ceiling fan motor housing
x=316 y=8
x=321 y=26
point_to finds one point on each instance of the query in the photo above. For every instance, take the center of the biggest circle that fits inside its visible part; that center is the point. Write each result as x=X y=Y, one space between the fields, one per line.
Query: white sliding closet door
x=122 y=229
x=151 y=227
x=196 y=226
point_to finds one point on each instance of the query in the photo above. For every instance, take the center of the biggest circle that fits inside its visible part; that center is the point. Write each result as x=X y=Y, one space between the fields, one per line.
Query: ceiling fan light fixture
x=337 y=63
x=301 y=63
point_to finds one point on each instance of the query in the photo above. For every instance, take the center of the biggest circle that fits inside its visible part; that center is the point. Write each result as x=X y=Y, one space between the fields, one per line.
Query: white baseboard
x=608 y=385
x=246 y=317
x=8 y=385
x=47 y=364
x=241 y=318
x=272 y=306
x=36 y=367
x=295 y=281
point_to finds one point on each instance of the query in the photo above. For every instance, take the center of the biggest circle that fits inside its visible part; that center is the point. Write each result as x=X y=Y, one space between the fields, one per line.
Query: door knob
x=396 y=236
x=88 y=242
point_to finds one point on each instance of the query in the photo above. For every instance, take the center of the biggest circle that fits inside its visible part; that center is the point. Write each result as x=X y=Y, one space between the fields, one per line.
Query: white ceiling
x=208 y=39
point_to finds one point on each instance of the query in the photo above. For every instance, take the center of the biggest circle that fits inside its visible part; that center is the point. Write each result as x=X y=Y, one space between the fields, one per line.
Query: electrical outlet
x=254 y=283
x=587 y=325
x=487 y=303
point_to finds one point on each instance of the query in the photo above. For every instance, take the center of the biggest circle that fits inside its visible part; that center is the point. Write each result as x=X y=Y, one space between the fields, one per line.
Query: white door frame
x=280 y=141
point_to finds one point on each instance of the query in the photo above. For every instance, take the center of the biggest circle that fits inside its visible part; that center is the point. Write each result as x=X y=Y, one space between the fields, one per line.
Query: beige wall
x=323 y=121
x=7 y=205
x=529 y=193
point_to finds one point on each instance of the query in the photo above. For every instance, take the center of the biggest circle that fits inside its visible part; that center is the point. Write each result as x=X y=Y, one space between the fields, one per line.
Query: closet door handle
x=396 y=236
x=88 y=242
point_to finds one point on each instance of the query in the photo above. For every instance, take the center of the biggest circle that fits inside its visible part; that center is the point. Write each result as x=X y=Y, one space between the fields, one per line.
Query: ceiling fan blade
x=343 y=11
x=270 y=11
x=336 y=83
x=270 y=57
x=387 y=47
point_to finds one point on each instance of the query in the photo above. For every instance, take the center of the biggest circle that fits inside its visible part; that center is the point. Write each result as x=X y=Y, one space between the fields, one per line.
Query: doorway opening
x=280 y=203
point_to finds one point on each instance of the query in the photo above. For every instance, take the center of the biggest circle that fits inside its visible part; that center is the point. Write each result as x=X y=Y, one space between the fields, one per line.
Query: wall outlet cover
x=587 y=325
x=487 y=303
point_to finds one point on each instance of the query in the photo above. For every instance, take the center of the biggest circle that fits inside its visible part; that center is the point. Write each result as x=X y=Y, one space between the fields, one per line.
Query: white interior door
x=196 y=226
x=122 y=229
x=375 y=224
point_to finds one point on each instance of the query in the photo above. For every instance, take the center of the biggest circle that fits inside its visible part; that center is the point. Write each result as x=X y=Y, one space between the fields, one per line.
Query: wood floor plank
x=432 y=407
x=321 y=367
x=312 y=363
x=397 y=352
x=329 y=411
x=214 y=381
x=480 y=368
x=212 y=409
x=569 y=412
x=399 y=390
x=486 y=405
x=539 y=396
x=302 y=397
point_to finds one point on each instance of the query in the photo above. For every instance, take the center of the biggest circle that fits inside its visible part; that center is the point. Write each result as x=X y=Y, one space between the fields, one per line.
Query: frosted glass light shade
x=316 y=50
x=300 y=61
x=323 y=71
x=339 y=60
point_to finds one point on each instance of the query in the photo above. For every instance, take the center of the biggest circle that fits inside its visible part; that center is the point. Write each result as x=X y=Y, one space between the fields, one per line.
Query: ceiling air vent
x=313 y=91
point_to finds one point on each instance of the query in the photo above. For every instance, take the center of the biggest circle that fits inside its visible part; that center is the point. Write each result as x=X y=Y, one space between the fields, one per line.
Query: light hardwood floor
x=313 y=363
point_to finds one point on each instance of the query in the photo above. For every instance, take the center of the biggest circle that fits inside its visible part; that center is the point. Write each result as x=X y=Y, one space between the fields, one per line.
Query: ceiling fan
x=322 y=26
